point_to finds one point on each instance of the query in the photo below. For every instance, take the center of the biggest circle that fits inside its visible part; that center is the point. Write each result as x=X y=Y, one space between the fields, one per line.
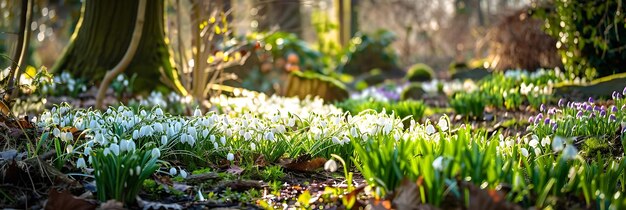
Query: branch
x=128 y=56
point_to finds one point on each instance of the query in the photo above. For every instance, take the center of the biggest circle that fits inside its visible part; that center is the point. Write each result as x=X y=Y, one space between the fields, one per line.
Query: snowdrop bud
x=215 y=145
x=537 y=151
x=336 y=140
x=291 y=122
x=205 y=133
x=192 y=132
x=223 y=140
x=156 y=153
x=253 y=146
x=230 y=157
x=80 y=163
x=173 y=171
x=136 y=134
x=197 y=113
x=269 y=136
x=524 y=152
x=396 y=136
x=438 y=163
x=124 y=145
x=330 y=165
x=353 y=132
x=143 y=113
x=247 y=136
x=87 y=151
x=345 y=140
x=163 y=139
x=138 y=170
x=443 y=124
x=158 y=127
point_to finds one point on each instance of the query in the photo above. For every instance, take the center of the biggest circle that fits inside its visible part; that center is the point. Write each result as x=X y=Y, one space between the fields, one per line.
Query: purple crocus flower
x=561 y=102
x=590 y=100
x=624 y=91
x=612 y=118
x=554 y=126
x=614 y=95
x=542 y=107
x=579 y=114
x=540 y=116
x=602 y=113
x=537 y=120
x=623 y=107
x=614 y=108
x=596 y=108
x=592 y=115
x=547 y=121
x=552 y=111
x=531 y=119
x=588 y=108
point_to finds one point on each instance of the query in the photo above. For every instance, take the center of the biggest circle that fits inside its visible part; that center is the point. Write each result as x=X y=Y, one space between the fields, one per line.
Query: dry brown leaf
x=377 y=204
x=304 y=163
x=487 y=199
x=112 y=205
x=235 y=170
x=65 y=200
x=407 y=196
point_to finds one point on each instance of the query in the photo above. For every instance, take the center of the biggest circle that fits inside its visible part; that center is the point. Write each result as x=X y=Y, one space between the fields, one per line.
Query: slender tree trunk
x=102 y=38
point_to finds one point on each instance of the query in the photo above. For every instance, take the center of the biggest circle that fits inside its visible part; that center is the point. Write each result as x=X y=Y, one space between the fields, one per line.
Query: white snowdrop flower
x=156 y=153
x=438 y=163
x=191 y=140
x=205 y=133
x=430 y=129
x=280 y=129
x=216 y=145
x=336 y=140
x=66 y=136
x=69 y=148
x=330 y=165
x=138 y=170
x=158 y=111
x=443 y=124
x=230 y=157
x=183 y=138
x=158 y=127
x=93 y=125
x=387 y=128
x=56 y=132
x=136 y=134
x=87 y=151
x=253 y=146
x=183 y=173
x=509 y=143
x=124 y=145
x=545 y=141
x=269 y=136
x=396 y=136
x=223 y=140
x=173 y=171
x=533 y=143
x=291 y=122
x=537 y=151
x=247 y=136
x=115 y=149
x=353 y=132
x=192 y=132
x=557 y=143
x=524 y=152
x=197 y=113
x=163 y=140
x=143 y=113
x=569 y=152
x=345 y=140
x=106 y=151
x=275 y=118
x=131 y=172
x=80 y=163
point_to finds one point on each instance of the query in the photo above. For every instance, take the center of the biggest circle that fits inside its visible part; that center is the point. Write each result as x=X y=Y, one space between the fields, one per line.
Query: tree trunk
x=103 y=35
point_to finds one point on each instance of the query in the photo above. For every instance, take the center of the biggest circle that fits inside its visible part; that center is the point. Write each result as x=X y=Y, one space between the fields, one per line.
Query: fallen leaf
x=407 y=196
x=304 y=163
x=487 y=199
x=65 y=200
x=112 y=205
x=235 y=170
x=260 y=161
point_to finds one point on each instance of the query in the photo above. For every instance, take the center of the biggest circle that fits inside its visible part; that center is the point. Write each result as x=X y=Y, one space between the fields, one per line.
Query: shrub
x=402 y=108
x=420 y=72
x=413 y=91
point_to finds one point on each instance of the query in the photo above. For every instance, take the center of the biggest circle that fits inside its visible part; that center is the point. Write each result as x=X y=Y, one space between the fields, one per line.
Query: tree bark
x=102 y=38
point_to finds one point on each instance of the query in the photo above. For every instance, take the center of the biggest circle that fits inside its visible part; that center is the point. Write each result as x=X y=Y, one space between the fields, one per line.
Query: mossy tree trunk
x=103 y=35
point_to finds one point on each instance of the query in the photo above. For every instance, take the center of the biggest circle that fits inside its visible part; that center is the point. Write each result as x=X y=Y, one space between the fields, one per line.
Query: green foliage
x=469 y=104
x=414 y=91
x=420 y=72
x=368 y=51
x=120 y=176
x=402 y=109
x=590 y=35
x=272 y=173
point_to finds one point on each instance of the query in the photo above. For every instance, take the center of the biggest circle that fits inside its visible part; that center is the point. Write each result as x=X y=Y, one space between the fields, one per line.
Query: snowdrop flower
x=69 y=148
x=443 y=124
x=269 y=136
x=205 y=133
x=353 y=132
x=396 y=136
x=115 y=149
x=330 y=165
x=438 y=163
x=158 y=111
x=557 y=143
x=223 y=140
x=173 y=171
x=163 y=140
x=336 y=140
x=183 y=173
x=158 y=127
x=156 y=153
x=80 y=163
x=291 y=122
x=197 y=113
x=247 y=136
x=136 y=135
x=545 y=141
x=533 y=143
x=569 y=152
x=430 y=129
x=253 y=146
x=215 y=145
x=230 y=157
x=66 y=136
x=345 y=140
x=537 y=151
x=106 y=151
x=124 y=145
x=87 y=151
x=524 y=152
